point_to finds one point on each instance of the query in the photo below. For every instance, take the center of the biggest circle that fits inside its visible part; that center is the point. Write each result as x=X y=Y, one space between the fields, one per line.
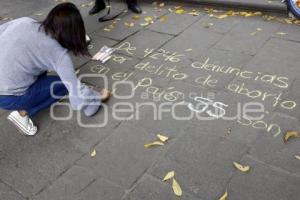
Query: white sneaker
x=23 y=123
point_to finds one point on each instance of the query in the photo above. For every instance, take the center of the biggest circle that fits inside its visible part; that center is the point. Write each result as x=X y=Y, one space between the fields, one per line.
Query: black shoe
x=99 y=5
x=133 y=6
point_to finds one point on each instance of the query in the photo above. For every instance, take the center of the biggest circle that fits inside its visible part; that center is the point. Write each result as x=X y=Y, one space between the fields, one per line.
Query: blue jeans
x=37 y=97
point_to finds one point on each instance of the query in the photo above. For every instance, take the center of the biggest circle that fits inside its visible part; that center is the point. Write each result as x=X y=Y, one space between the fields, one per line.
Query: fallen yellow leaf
x=297 y=157
x=162 y=137
x=291 y=134
x=129 y=24
x=169 y=175
x=148 y=19
x=188 y=50
x=180 y=11
x=154 y=143
x=136 y=17
x=93 y=153
x=224 y=197
x=241 y=167
x=221 y=16
x=176 y=188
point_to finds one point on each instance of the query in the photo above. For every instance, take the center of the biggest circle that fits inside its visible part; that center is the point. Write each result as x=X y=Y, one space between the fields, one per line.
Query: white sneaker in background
x=24 y=124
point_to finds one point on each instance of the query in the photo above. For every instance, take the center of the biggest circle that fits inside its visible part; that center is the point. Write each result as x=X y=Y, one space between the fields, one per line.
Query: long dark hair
x=65 y=24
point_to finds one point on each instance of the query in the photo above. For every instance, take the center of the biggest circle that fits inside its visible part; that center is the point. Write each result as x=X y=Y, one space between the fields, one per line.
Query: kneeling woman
x=28 y=50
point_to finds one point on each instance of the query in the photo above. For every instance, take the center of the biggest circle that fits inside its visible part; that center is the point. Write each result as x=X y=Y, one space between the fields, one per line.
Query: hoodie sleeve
x=81 y=97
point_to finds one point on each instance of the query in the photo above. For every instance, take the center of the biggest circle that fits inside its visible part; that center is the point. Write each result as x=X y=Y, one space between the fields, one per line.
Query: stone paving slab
x=153 y=189
x=80 y=184
x=37 y=166
x=174 y=23
x=199 y=163
x=241 y=38
x=198 y=44
x=263 y=182
x=274 y=151
x=119 y=161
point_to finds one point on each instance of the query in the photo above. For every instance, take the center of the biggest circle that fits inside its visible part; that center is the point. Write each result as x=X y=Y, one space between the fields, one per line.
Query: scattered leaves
x=224 y=196
x=154 y=143
x=241 y=167
x=93 y=153
x=162 y=137
x=148 y=19
x=176 y=188
x=291 y=134
x=169 y=175
x=129 y=24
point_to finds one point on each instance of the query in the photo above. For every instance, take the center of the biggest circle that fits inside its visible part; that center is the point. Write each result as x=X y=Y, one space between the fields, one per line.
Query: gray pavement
x=177 y=56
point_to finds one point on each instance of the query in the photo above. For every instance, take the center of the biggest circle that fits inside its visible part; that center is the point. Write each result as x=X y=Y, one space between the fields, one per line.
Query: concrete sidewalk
x=198 y=51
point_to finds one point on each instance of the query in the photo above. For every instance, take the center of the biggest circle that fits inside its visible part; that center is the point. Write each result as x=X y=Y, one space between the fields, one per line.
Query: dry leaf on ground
x=180 y=11
x=162 y=137
x=241 y=167
x=176 y=188
x=221 y=16
x=154 y=143
x=291 y=134
x=297 y=157
x=93 y=153
x=169 y=175
x=136 y=17
x=224 y=197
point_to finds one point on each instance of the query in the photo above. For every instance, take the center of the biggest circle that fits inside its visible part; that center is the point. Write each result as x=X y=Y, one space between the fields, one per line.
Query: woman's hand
x=105 y=95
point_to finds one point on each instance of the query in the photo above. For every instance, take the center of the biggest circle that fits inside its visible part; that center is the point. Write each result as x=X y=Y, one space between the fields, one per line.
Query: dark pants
x=37 y=97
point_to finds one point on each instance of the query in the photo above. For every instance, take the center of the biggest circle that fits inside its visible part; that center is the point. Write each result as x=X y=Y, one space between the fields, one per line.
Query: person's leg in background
x=133 y=6
x=100 y=5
